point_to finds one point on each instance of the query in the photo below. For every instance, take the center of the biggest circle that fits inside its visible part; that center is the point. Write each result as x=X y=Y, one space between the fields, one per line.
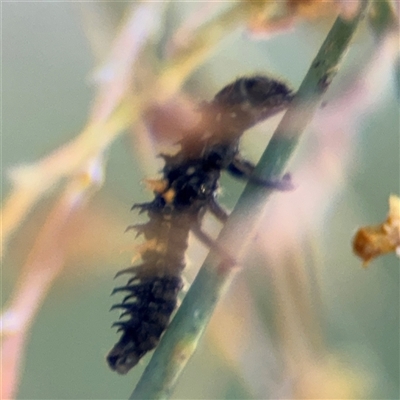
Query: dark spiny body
x=190 y=183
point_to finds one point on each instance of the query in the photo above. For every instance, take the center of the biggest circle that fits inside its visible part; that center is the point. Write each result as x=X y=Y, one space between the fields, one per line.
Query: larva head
x=250 y=100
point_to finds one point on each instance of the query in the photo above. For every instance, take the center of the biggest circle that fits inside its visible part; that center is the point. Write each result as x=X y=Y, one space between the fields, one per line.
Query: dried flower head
x=373 y=241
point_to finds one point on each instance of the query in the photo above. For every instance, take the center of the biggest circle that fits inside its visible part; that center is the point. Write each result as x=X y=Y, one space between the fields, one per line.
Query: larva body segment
x=152 y=290
x=148 y=310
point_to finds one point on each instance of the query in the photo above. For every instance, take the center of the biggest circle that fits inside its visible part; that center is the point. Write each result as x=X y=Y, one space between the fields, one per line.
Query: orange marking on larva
x=135 y=258
x=169 y=195
x=152 y=244
x=156 y=185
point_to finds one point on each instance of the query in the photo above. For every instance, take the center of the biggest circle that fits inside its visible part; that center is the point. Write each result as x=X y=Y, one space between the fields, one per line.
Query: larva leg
x=202 y=236
x=217 y=210
x=210 y=242
x=241 y=168
x=244 y=169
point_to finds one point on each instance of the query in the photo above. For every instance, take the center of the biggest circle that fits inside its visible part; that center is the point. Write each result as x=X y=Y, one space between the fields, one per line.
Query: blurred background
x=302 y=319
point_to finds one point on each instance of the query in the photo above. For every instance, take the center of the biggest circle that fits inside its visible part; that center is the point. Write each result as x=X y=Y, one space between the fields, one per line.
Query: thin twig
x=181 y=338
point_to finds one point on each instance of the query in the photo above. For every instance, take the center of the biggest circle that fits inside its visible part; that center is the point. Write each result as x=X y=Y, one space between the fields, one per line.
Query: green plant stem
x=182 y=336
